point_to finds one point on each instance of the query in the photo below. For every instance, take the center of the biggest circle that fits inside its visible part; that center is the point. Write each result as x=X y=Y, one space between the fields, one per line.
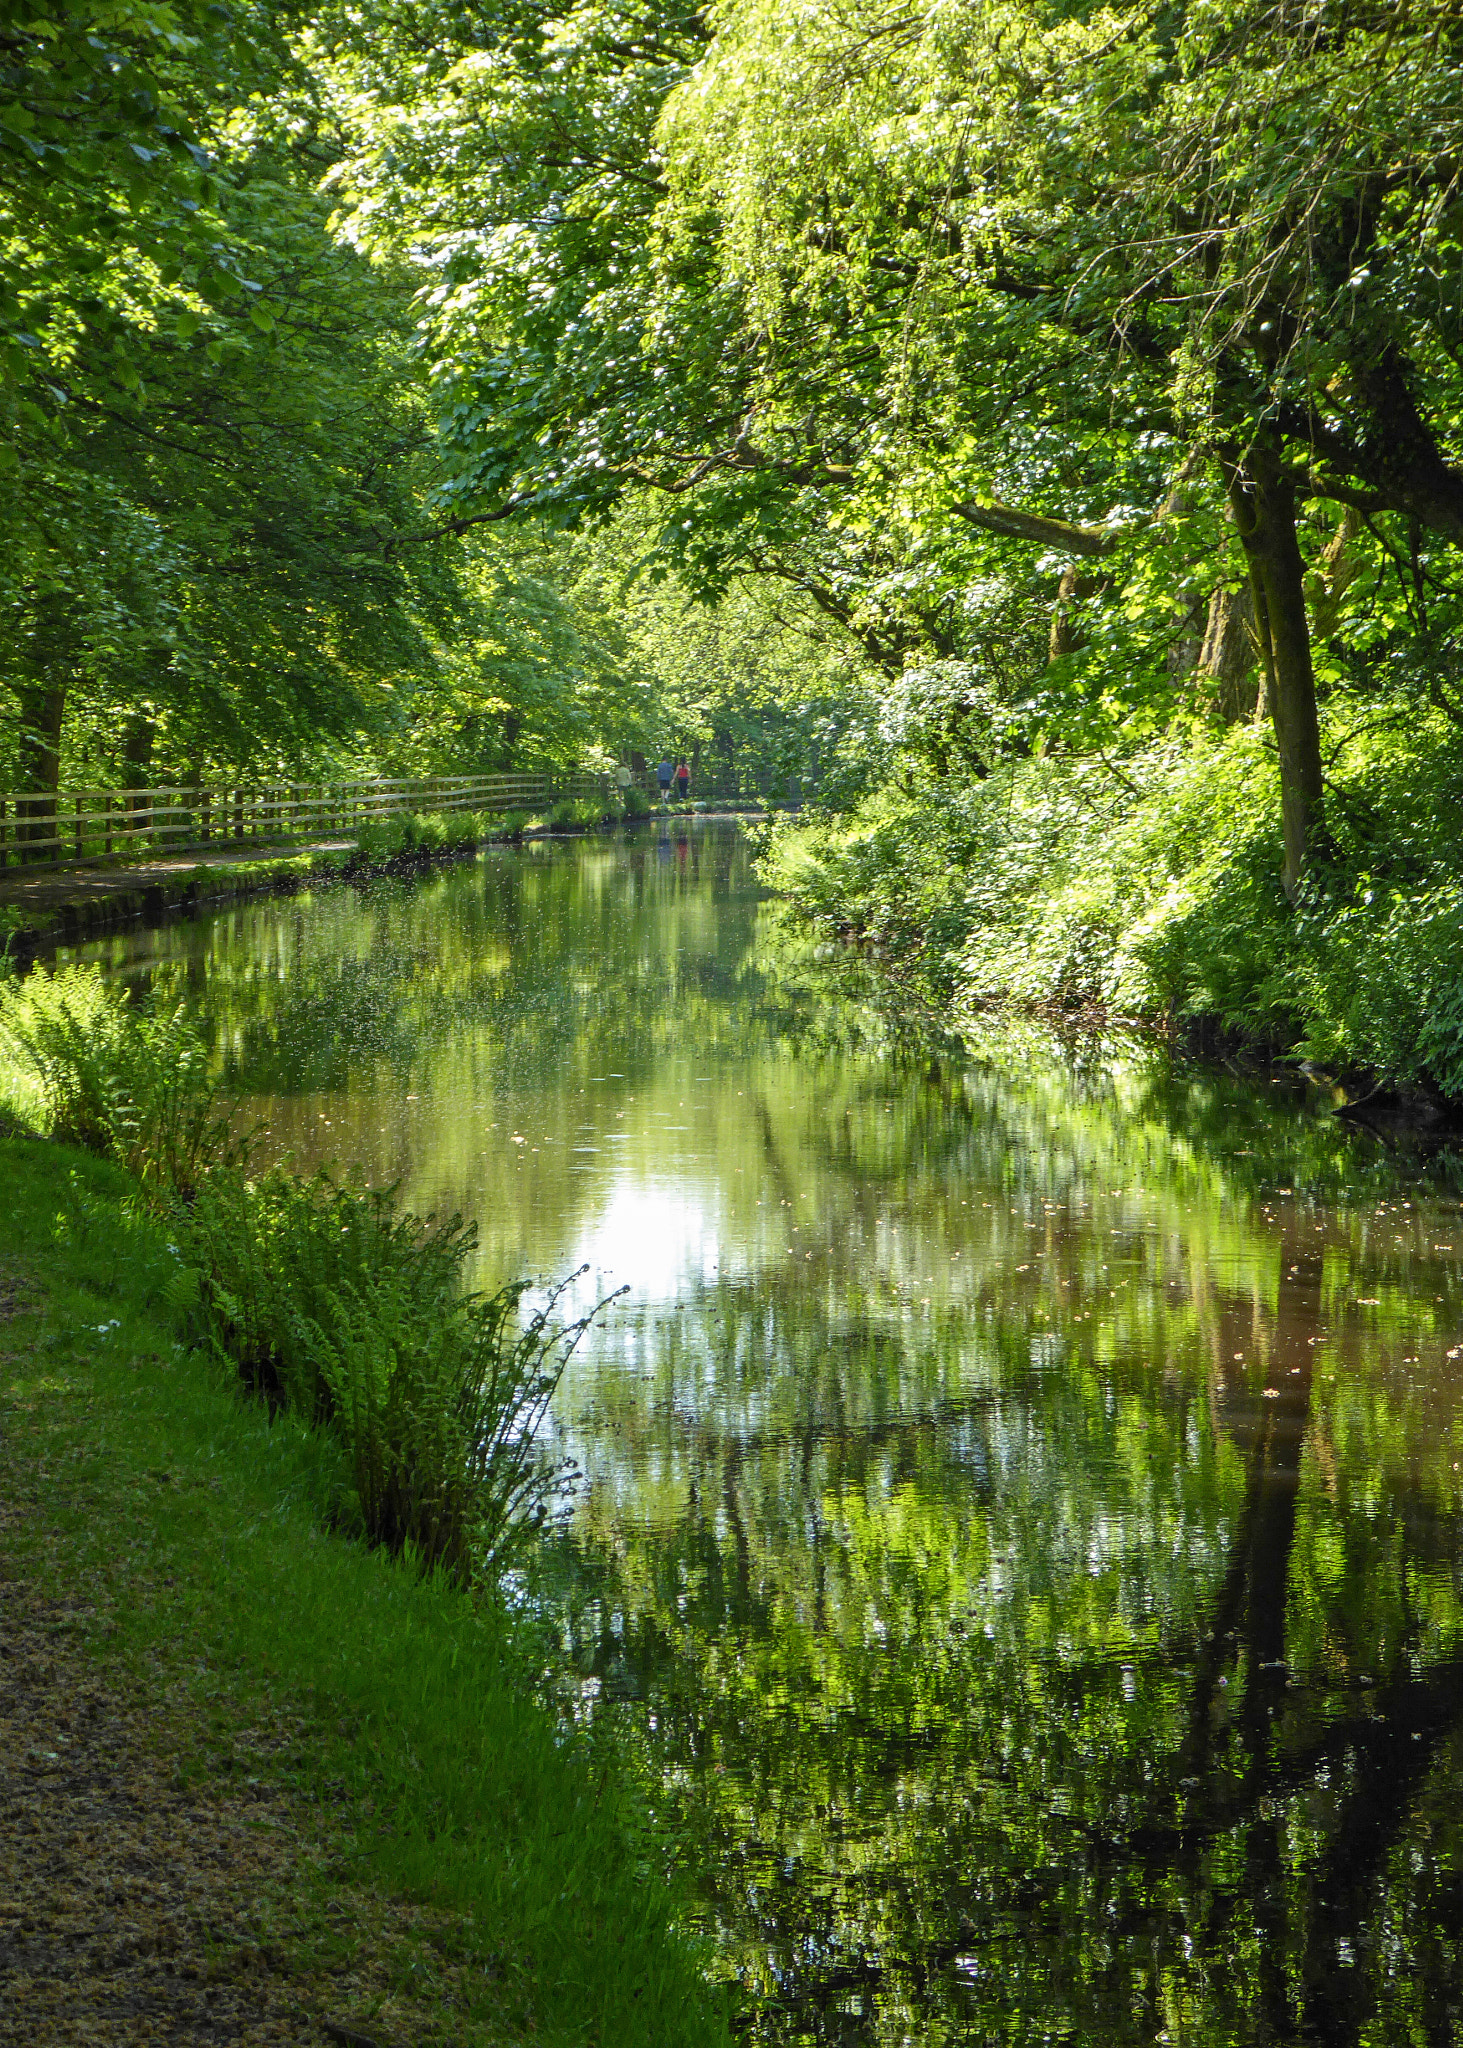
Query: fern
x=334 y=1303
x=128 y=1080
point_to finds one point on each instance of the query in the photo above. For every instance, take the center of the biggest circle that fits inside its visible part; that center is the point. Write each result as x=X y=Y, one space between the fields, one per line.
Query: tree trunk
x=1067 y=635
x=137 y=760
x=1327 y=583
x=1262 y=496
x=137 y=752
x=1229 y=653
x=1187 y=645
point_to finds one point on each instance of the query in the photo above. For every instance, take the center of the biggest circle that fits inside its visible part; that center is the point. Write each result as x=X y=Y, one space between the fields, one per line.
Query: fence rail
x=98 y=824
x=87 y=825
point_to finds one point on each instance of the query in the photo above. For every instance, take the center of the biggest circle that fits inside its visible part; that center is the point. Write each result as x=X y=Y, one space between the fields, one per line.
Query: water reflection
x=1023 y=1492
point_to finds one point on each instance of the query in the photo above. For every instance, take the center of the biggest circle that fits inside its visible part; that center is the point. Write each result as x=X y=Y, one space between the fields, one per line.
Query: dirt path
x=131 y=1910
x=37 y=890
x=161 y=1879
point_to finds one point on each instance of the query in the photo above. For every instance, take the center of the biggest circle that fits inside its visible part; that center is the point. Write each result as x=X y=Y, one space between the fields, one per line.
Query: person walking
x=683 y=778
x=663 y=774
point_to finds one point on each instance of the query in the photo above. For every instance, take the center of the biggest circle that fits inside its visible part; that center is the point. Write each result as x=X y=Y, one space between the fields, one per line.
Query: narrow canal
x=1021 y=1497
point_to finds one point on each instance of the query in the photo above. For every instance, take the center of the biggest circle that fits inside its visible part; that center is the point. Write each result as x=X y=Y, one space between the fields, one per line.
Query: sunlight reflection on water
x=1023 y=1512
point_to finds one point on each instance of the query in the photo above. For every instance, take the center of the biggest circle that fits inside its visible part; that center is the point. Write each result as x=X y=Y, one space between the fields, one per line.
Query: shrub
x=1152 y=888
x=275 y=1253
x=383 y=839
x=441 y=1432
x=581 y=810
x=353 y=1313
x=128 y=1081
x=637 y=803
x=380 y=840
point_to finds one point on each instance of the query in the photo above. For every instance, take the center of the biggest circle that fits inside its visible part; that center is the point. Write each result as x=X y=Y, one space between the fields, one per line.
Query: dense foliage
x=1057 y=410
x=328 y=1299
x=1091 y=375
x=227 y=542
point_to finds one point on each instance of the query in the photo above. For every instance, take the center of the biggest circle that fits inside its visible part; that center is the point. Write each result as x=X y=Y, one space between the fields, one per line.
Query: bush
x=353 y=1314
x=128 y=1081
x=637 y=803
x=1152 y=889
x=380 y=840
x=570 y=811
x=385 y=839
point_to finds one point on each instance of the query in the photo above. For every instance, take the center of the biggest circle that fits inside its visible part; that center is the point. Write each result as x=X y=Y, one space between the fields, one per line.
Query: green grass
x=437 y=1765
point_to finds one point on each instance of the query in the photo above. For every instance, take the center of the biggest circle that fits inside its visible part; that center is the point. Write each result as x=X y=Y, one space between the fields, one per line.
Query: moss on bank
x=429 y=1749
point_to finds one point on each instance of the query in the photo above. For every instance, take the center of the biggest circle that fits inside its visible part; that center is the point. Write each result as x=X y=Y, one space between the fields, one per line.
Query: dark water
x=1023 y=1494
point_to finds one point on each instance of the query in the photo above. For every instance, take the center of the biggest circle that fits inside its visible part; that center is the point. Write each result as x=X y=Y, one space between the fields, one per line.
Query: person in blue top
x=663 y=773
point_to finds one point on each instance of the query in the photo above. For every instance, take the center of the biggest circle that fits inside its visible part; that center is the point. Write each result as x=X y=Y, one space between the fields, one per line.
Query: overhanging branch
x=1015 y=524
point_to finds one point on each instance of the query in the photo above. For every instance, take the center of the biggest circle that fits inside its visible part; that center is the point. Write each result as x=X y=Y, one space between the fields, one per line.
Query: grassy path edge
x=436 y=1769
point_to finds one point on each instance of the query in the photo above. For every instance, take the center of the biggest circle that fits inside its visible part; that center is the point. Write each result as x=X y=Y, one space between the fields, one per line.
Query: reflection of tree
x=961 y=1812
x=1007 y=1578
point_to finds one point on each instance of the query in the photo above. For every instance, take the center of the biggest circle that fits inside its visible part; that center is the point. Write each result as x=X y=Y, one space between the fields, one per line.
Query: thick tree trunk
x=1327 y=583
x=137 y=752
x=1187 y=645
x=137 y=759
x=1262 y=496
x=1228 y=656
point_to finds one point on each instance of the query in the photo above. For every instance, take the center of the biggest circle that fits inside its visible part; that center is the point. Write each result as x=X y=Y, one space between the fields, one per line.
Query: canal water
x=1021 y=1498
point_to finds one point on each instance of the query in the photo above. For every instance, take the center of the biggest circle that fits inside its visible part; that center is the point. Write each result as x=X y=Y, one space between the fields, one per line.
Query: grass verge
x=427 y=1747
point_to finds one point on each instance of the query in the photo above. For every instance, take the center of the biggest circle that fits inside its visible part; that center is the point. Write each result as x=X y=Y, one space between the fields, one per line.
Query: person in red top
x=683 y=779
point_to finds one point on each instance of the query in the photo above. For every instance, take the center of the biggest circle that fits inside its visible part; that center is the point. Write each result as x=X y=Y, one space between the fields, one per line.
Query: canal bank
x=49 y=906
x=260 y=1783
x=1018 y=1523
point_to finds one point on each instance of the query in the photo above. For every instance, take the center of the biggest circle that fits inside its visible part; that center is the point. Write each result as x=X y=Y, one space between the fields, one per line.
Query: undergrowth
x=354 y=1315
x=585 y=810
x=127 y=1081
x=407 y=832
x=328 y=1300
x=1150 y=888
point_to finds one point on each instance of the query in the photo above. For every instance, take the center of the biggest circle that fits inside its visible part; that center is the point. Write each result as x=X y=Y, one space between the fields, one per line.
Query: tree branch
x=1011 y=521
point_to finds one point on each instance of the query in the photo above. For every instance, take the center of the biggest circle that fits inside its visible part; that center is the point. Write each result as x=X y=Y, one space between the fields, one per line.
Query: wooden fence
x=100 y=824
x=80 y=825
